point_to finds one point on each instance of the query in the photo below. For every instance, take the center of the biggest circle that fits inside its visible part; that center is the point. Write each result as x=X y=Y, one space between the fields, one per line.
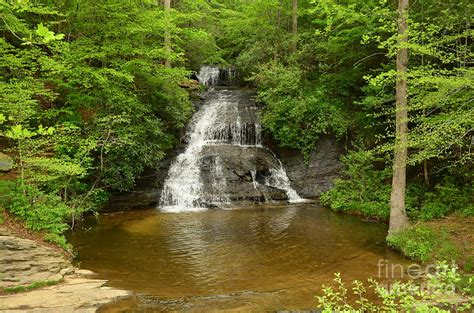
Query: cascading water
x=182 y=188
x=209 y=75
x=223 y=121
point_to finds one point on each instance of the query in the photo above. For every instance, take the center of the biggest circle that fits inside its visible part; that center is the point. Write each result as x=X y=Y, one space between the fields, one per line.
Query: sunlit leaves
x=46 y=34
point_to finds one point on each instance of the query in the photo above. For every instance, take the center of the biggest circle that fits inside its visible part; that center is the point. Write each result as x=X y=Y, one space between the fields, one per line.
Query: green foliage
x=59 y=240
x=40 y=211
x=364 y=189
x=46 y=34
x=86 y=101
x=423 y=243
x=297 y=115
x=435 y=295
x=446 y=197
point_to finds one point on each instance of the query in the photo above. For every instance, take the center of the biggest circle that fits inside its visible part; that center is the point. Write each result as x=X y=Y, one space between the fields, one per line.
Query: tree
x=294 y=23
x=398 y=217
x=167 y=41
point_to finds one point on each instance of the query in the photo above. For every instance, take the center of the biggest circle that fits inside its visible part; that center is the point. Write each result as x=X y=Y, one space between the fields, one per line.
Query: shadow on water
x=262 y=258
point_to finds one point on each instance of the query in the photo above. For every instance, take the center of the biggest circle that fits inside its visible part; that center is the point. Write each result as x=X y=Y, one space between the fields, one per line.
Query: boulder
x=6 y=163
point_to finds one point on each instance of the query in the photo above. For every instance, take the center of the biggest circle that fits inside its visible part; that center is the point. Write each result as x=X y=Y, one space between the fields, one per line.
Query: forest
x=93 y=93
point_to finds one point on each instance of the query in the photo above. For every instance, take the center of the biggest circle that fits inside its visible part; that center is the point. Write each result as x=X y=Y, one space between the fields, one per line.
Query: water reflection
x=271 y=257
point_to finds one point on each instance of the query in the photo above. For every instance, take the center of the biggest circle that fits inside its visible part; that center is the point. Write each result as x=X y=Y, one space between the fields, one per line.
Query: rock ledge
x=24 y=262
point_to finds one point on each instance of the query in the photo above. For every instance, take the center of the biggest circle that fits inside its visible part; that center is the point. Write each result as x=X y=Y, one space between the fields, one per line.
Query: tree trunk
x=398 y=217
x=426 y=173
x=277 y=48
x=294 y=23
x=167 y=41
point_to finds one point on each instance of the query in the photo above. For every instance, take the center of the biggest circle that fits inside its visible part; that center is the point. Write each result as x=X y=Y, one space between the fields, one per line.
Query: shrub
x=434 y=296
x=364 y=189
x=39 y=211
x=448 y=196
x=422 y=243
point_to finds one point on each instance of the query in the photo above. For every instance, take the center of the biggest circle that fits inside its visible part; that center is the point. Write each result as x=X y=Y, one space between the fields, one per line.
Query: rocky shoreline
x=25 y=263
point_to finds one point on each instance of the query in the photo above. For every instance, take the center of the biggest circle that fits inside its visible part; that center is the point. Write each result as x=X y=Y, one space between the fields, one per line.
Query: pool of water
x=261 y=258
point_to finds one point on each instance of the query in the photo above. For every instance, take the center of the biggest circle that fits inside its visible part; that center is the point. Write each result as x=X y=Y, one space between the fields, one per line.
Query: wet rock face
x=235 y=173
x=309 y=180
x=318 y=175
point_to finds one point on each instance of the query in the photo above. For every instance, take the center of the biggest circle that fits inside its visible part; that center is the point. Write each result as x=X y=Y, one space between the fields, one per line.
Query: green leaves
x=87 y=115
x=434 y=295
x=45 y=131
x=47 y=35
x=17 y=132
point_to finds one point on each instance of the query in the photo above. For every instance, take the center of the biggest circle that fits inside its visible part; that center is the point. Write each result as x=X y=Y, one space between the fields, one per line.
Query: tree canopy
x=94 y=92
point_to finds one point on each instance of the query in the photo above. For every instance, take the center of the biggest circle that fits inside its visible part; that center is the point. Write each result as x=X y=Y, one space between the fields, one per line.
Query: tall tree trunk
x=276 y=51
x=398 y=217
x=294 y=23
x=167 y=41
x=426 y=173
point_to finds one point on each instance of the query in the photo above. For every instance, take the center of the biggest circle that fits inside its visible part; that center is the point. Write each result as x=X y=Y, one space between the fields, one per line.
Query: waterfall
x=254 y=178
x=209 y=75
x=182 y=188
x=221 y=121
x=279 y=179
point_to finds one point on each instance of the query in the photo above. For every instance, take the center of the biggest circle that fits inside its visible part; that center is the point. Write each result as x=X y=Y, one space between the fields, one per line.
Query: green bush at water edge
x=422 y=243
x=40 y=211
x=441 y=292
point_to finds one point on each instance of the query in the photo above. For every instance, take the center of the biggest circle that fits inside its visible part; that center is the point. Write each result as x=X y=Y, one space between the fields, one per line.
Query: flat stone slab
x=23 y=262
x=75 y=294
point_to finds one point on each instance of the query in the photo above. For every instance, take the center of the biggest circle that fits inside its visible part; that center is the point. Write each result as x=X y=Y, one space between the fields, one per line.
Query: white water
x=254 y=178
x=183 y=186
x=279 y=179
x=217 y=122
x=208 y=75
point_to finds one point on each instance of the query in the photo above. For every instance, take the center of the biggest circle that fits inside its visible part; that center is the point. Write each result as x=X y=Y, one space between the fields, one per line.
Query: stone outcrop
x=226 y=172
x=24 y=262
x=75 y=294
x=317 y=175
x=6 y=163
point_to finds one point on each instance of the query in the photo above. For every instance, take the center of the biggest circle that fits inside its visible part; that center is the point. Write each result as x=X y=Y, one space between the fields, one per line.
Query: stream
x=257 y=258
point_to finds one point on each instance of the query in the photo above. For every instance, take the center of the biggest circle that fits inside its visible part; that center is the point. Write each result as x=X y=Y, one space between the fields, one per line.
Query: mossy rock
x=6 y=163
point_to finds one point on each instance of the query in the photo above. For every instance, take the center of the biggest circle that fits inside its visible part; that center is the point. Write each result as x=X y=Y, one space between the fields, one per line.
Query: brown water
x=264 y=258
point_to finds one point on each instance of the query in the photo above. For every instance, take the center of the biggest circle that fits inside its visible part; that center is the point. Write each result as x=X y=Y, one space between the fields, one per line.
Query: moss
x=32 y=286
